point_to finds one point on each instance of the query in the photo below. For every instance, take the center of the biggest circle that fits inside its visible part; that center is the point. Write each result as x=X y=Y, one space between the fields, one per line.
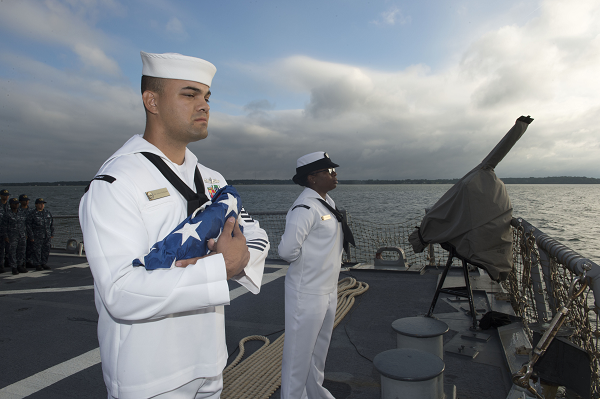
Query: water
x=568 y=213
x=61 y=200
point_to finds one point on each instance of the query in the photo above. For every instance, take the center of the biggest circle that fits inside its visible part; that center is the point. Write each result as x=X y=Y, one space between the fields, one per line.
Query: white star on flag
x=189 y=230
x=232 y=204
x=165 y=252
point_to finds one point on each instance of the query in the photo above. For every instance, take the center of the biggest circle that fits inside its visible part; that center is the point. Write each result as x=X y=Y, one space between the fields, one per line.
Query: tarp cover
x=474 y=215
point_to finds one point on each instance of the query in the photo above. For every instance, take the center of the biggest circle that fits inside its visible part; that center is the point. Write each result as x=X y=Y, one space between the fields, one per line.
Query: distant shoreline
x=234 y=182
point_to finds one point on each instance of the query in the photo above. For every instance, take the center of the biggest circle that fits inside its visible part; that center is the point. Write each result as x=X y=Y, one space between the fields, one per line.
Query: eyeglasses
x=330 y=171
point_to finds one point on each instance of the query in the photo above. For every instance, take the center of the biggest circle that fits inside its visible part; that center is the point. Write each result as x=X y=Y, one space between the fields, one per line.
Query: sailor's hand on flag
x=231 y=246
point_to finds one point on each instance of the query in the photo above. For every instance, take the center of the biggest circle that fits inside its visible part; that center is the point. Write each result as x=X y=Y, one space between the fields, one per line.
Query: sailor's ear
x=150 y=100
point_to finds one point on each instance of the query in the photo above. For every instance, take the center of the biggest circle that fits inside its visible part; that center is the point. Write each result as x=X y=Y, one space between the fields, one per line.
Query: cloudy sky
x=390 y=89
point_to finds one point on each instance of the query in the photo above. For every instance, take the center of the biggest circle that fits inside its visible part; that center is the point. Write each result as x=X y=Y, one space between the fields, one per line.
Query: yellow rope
x=259 y=376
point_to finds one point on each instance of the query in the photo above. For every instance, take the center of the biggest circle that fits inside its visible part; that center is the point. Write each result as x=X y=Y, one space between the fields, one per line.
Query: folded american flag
x=190 y=238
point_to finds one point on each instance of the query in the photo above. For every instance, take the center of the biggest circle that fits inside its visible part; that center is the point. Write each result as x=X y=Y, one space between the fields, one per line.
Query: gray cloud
x=51 y=134
x=67 y=25
x=259 y=106
x=414 y=123
x=334 y=98
x=410 y=123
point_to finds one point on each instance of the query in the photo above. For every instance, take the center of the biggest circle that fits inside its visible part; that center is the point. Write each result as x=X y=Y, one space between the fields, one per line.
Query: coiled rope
x=259 y=376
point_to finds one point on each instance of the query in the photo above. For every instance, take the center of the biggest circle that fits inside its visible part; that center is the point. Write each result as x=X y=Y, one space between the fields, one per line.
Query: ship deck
x=49 y=345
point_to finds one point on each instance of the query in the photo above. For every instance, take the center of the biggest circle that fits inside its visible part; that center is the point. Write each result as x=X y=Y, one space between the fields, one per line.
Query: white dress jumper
x=158 y=329
x=312 y=243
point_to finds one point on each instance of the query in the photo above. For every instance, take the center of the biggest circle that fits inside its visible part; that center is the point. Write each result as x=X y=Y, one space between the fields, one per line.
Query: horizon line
x=289 y=181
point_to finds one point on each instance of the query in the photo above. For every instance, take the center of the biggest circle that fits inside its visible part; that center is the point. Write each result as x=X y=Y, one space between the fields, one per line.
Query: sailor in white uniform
x=312 y=243
x=162 y=332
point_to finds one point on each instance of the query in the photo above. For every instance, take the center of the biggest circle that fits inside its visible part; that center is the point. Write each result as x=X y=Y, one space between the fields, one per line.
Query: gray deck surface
x=39 y=330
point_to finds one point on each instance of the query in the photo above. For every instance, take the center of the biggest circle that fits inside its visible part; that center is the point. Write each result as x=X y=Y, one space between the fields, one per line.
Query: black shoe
x=46 y=267
x=21 y=269
x=39 y=268
x=15 y=270
x=29 y=265
x=2 y=270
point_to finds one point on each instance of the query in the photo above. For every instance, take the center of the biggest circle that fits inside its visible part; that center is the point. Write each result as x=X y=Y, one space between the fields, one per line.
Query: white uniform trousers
x=200 y=388
x=308 y=326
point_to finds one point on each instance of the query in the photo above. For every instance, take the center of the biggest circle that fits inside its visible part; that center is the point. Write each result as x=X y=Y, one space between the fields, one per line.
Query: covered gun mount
x=474 y=215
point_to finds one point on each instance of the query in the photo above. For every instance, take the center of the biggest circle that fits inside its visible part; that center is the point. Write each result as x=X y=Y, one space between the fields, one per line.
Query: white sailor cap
x=310 y=163
x=177 y=66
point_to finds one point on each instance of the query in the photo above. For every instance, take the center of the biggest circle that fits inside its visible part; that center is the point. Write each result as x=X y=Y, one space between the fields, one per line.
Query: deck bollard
x=421 y=332
x=410 y=373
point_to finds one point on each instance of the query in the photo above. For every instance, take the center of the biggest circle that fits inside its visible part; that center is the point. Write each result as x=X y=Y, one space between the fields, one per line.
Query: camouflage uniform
x=15 y=227
x=27 y=261
x=40 y=228
x=28 y=246
x=3 y=244
x=2 y=241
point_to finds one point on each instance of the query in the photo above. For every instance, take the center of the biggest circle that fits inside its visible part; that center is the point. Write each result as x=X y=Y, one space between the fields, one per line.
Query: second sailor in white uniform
x=312 y=243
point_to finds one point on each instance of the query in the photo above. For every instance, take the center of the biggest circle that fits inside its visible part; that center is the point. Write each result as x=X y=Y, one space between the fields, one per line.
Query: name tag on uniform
x=157 y=194
x=210 y=180
x=326 y=217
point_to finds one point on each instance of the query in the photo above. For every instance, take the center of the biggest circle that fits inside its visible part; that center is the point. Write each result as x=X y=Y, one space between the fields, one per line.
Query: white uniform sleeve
x=114 y=235
x=258 y=246
x=298 y=223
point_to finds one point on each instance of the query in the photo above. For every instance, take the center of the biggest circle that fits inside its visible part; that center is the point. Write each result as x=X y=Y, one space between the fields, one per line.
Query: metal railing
x=369 y=237
x=540 y=284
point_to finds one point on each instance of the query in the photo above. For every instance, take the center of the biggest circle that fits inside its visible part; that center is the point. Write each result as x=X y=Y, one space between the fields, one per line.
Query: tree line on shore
x=506 y=180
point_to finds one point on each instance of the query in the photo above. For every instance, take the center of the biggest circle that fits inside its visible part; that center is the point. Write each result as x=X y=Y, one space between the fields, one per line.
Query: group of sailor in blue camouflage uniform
x=25 y=233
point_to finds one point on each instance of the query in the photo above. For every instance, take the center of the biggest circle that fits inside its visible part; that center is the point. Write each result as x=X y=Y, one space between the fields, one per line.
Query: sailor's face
x=24 y=203
x=184 y=110
x=40 y=207
x=324 y=180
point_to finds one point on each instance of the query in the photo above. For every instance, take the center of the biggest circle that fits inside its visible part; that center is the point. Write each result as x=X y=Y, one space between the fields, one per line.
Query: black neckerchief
x=194 y=200
x=348 y=236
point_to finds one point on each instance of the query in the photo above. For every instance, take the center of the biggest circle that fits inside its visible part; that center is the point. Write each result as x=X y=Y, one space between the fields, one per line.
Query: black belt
x=348 y=236
x=194 y=200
